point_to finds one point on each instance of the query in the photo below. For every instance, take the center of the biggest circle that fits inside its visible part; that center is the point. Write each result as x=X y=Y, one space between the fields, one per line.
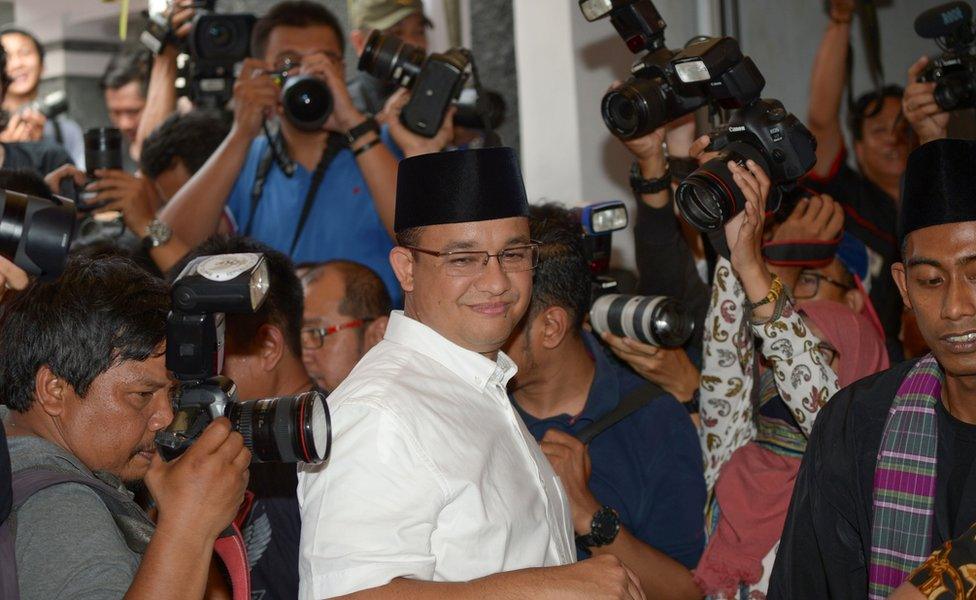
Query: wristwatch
x=603 y=529
x=157 y=234
x=648 y=186
x=362 y=129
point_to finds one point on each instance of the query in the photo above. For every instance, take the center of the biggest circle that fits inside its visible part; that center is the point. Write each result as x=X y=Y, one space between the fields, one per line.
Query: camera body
x=435 y=81
x=953 y=72
x=215 y=44
x=763 y=132
x=287 y=429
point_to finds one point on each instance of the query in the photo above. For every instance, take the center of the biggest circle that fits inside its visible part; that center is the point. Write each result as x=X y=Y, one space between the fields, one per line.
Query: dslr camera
x=657 y=320
x=435 y=81
x=287 y=429
x=215 y=44
x=954 y=71
x=666 y=85
x=305 y=99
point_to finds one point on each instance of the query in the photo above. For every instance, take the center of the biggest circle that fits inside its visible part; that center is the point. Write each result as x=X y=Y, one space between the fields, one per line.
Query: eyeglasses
x=808 y=285
x=828 y=352
x=473 y=263
x=314 y=337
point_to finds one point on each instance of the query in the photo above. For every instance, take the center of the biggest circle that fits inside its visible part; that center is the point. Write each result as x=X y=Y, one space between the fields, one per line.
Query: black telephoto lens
x=287 y=429
x=387 y=58
x=634 y=109
x=103 y=149
x=35 y=233
x=307 y=102
x=709 y=197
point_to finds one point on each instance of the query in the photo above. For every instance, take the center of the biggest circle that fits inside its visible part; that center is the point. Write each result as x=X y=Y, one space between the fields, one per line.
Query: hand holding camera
x=817 y=217
x=411 y=143
x=255 y=98
x=201 y=491
x=132 y=195
x=669 y=368
x=25 y=126
x=929 y=120
x=12 y=277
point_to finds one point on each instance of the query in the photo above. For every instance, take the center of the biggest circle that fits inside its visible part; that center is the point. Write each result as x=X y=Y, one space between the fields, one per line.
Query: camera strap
x=631 y=403
x=335 y=144
x=801 y=253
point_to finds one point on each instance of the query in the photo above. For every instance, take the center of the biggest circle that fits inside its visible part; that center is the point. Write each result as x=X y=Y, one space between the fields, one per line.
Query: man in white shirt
x=435 y=489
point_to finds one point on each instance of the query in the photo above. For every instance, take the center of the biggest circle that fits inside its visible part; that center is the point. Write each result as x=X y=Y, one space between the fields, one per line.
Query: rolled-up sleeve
x=369 y=512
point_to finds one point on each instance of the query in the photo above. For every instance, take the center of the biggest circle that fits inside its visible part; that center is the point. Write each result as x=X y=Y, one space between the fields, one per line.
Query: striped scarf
x=904 y=481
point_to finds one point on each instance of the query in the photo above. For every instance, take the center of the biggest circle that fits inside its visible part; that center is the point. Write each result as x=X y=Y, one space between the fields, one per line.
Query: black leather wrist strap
x=648 y=186
x=366 y=146
x=362 y=129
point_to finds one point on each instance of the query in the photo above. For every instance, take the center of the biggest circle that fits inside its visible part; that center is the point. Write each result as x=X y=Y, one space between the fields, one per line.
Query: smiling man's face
x=478 y=312
x=937 y=281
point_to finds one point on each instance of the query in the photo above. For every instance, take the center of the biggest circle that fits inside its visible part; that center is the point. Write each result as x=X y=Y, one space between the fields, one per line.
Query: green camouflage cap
x=381 y=14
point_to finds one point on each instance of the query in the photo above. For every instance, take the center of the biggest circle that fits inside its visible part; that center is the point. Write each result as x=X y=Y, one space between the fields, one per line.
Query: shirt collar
x=473 y=368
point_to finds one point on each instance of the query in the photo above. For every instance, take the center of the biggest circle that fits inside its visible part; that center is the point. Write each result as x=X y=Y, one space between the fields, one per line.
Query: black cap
x=940 y=185
x=463 y=186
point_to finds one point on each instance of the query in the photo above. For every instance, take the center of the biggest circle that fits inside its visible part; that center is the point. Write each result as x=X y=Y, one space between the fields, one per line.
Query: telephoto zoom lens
x=287 y=429
x=36 y=233
x=103 y=149
x=387 y=58
x=307 y=102
x=709 y=197
x=655 y=320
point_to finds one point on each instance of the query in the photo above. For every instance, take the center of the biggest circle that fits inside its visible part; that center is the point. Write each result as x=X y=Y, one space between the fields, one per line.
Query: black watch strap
x=603 y=529
x=648 y=186
x=362 y=129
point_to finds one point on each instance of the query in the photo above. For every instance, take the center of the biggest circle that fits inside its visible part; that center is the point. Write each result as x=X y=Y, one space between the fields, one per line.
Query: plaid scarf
x=904 y=481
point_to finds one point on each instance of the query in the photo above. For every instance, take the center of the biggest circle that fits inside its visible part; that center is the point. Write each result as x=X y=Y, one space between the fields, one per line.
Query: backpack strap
x=9 y=589
x=631 y=403
x=233 y=553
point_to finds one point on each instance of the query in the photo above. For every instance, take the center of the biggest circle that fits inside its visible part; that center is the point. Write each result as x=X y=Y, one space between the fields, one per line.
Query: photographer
x=88 y=391
x=347 y=309
x=25 y=64
x=347 y=210
x=870 y=196
x=124 y=85
x=263 y=357
x=647 y=467
x=402 y=18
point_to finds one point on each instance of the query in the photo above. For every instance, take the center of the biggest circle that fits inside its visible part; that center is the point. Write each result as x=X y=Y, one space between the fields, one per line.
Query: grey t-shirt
x=67 y=543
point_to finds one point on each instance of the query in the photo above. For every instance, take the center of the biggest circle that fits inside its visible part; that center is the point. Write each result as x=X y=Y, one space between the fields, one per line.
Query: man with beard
x=888 y=467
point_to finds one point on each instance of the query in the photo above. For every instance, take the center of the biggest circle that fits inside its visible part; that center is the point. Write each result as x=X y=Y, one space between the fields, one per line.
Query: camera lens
x=220 y=35
x=287 y=429
x=103 y=149
x=307 y=102
x=655 y=320
x=955 y=92
x=35 y=233
x=709 y=197
x=387 y=58
x=635 y=108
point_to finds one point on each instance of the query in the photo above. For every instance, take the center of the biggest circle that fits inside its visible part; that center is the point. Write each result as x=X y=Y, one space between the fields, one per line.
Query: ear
x=357 y=37
x=855 y=299
x=374 y=332
x=554 y=324
x=50 y=391
x=270 y=347
x=901 y=280
x=401 y=259
x=858 y=150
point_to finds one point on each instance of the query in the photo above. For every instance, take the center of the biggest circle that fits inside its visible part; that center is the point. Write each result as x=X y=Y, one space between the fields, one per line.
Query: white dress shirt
x=433 y=476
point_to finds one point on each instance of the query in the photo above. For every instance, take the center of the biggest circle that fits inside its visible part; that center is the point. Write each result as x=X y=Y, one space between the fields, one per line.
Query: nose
x=493 y=279
x=163 y=414
x=960 y=300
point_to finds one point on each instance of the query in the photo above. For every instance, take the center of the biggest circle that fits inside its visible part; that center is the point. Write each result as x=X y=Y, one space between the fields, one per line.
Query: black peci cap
x=939 y=186
x=463 y=186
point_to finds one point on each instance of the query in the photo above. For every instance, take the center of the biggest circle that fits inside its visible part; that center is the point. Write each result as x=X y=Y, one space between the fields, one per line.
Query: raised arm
x=195 y=211
x=827 y=85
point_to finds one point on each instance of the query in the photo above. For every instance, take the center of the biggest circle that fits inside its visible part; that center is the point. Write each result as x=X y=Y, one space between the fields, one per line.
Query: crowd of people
x=814 y=437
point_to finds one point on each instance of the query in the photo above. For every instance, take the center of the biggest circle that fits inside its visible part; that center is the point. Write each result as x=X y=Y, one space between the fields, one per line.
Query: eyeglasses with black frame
x=808 y=285
x=314 y=337
x=471 y=263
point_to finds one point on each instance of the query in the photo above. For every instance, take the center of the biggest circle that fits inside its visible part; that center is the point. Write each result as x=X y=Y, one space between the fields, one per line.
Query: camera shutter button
x=777 y=114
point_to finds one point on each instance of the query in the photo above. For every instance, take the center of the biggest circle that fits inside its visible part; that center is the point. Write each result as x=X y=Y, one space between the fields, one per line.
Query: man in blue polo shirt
x=314 y=195
x=636 y=491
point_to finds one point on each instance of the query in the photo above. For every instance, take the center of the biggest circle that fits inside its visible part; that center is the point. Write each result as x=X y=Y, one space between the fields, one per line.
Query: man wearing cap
x=889 y=465
x=404 y=19
x=435 y=489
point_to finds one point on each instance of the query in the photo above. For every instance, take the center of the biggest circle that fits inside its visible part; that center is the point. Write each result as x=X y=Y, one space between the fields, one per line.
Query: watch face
x=605 y=525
